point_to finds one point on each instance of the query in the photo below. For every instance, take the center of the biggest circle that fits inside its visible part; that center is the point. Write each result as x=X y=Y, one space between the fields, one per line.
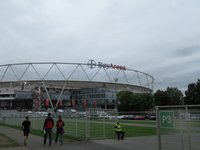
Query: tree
x=125 y=98
x=172 y=96
x=192 y=94
x=143 y=101
x=161 y=98
x=134 y=101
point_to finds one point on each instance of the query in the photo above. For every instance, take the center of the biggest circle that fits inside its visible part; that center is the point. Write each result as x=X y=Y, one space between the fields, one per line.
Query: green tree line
x=129 y=101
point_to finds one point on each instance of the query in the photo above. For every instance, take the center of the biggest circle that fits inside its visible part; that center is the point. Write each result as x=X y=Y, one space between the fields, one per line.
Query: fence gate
x=100 y=123
x=178 y=127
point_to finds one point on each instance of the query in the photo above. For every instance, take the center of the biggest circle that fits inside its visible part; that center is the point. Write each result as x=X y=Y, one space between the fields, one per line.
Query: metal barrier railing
x=178 y=127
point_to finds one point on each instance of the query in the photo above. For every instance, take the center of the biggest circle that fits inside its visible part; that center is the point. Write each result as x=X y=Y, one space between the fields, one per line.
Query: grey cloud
x=187 y=51
x=157 y=37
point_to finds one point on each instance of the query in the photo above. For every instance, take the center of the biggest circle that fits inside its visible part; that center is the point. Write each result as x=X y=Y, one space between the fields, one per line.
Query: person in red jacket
x=60 y=130
x=48 y=126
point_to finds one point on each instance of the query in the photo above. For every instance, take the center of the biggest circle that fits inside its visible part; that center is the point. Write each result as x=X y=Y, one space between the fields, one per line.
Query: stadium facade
x=42 y=85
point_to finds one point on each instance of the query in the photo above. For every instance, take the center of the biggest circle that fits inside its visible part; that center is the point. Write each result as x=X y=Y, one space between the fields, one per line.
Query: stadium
x=58 y=85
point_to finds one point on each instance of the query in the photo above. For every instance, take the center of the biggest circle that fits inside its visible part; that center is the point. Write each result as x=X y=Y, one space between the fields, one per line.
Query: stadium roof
x=75 y=75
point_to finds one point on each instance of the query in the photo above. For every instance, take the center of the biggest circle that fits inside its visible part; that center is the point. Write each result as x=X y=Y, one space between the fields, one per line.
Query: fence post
x=104 y=127
x=86 y=125
x=188 y=127
x=181 y=130
x=158 y=128
x=76 y=125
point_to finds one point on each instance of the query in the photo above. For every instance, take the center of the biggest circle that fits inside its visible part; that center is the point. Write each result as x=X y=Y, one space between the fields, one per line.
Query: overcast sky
x=159 y=37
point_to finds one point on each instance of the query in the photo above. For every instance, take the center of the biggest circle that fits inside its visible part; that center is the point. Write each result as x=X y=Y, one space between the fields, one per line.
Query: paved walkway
x=35 y=143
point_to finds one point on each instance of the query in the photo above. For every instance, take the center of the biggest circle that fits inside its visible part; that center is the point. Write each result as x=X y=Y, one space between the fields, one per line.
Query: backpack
x=49 y=123
x=59 y=123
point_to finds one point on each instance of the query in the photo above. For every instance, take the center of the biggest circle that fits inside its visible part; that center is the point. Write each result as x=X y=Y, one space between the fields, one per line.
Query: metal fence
x=178 y=127
x=100 y=123
x=90 y=124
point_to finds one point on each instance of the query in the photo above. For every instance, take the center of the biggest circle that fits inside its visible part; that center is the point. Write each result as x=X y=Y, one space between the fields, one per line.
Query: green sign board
x=166 y=119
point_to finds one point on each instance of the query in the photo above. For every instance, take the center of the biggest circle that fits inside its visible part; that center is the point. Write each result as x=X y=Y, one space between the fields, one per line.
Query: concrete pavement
x=36 y=142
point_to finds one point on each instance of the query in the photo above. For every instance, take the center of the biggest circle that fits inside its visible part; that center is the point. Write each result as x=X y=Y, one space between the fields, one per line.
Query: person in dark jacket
x=60 y=130
x=26 y=125
x=48 y=126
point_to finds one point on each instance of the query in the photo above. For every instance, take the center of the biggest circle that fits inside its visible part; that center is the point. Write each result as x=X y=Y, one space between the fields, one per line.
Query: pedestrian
x=26 y=126
x=48 y=126
x=118 y=130
x=60 y=130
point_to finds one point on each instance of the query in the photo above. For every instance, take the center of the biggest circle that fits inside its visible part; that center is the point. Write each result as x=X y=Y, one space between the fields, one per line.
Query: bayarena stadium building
x=58 y=85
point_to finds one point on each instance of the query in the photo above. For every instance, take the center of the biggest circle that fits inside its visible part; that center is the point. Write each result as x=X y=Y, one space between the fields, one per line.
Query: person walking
x=60 y=130
x=48 y=126
x=119 y=132
x=26 y=125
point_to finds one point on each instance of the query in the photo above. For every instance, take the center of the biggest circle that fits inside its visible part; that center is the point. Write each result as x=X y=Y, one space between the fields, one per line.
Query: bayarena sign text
x=92 y=64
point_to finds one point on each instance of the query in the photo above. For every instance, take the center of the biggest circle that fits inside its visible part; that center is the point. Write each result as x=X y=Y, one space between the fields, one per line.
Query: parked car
x=124 y=117
x=152 y=117
x=120 y=116
x=139 y=118
x=131 y=117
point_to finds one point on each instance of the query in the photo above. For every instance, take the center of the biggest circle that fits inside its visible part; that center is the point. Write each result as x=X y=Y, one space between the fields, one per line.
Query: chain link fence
x=178 y=127
x=90 y=124
x=100 y=123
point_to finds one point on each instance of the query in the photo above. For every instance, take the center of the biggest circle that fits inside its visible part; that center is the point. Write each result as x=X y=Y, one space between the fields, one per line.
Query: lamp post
x=116 y=103
x=182 y=99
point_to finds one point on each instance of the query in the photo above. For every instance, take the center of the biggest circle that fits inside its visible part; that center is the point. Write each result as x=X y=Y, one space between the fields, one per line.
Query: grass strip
x=7 y=142
x=41 y=134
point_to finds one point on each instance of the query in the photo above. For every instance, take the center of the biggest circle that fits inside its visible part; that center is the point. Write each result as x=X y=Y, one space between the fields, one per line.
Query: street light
x=182 y=99
x=116 y=103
